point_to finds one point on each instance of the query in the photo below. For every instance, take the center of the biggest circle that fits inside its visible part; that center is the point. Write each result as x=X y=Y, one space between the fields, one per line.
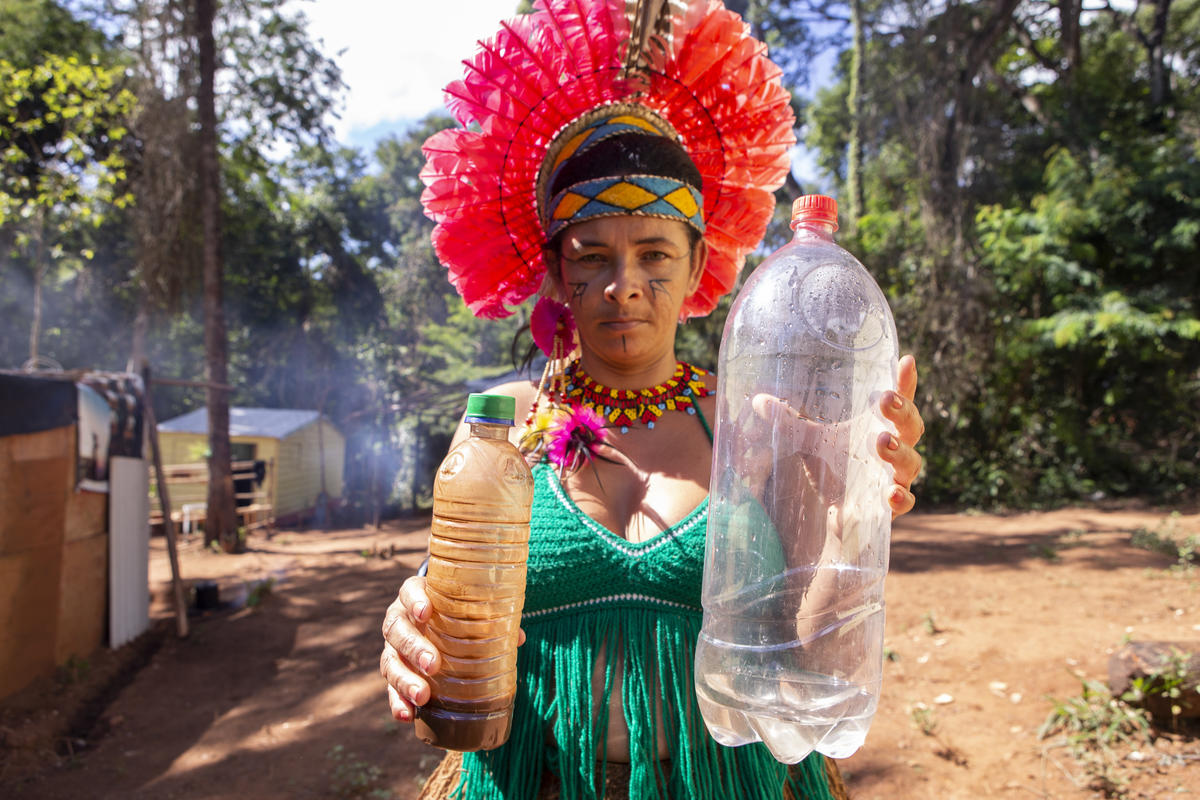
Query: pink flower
x=575 y=437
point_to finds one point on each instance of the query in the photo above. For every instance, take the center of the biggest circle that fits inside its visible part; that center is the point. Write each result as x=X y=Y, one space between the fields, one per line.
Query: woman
x=631 y=240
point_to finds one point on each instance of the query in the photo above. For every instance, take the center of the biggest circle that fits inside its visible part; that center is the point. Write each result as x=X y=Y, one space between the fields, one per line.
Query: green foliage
x=1031 y=208
x=31 y=28
x=62 y=121
x=1035 y=229
x=1097 y=330
x=1170 y=682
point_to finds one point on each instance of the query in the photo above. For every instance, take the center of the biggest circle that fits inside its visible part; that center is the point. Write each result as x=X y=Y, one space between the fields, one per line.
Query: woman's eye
x=655 y=255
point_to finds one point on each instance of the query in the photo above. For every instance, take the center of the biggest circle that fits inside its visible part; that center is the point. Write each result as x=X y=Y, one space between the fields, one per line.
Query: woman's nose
x=625 y=283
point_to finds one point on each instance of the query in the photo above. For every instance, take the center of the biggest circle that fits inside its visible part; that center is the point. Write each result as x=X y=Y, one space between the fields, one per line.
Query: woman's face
x=625 y=279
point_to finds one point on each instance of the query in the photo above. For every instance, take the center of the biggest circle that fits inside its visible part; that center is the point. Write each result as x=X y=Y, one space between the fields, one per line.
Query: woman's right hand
x=408 y=658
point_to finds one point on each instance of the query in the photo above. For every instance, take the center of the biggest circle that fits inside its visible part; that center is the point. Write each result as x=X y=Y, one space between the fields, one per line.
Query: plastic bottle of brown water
x=476 y=581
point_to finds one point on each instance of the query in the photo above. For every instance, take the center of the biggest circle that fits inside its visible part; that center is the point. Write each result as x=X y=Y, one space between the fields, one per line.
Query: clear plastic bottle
x=478 y=547
x=791 y=649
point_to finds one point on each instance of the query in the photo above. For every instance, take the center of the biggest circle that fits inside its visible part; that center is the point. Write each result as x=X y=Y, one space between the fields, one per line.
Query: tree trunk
x=137 y=344
x=1069 y=13
x=221 y=515
x=39 y=272
x=854 y=187
x=418 y=459
x=1160 y=84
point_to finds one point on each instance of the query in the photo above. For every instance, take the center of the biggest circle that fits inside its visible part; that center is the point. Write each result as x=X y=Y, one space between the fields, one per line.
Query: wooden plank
x=181 y=620
x=36 y=472
x=86 y=515
x=29 y=585
x=82 y=597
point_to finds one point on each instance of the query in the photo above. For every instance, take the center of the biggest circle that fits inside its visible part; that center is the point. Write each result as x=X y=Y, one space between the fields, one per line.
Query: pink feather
x=545 y=321
x=576 y=437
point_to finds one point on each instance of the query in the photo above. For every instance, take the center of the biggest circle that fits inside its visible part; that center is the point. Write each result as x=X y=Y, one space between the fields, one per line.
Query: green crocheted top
x=592 y=595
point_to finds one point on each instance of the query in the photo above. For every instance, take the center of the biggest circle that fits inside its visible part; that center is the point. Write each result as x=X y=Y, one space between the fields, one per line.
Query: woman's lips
x=622 y=324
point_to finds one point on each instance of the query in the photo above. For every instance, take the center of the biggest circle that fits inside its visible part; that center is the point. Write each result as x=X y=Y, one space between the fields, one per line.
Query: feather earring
x=553 y=328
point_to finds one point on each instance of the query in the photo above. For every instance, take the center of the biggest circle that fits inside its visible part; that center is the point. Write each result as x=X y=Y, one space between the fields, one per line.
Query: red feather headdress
x=692 y=64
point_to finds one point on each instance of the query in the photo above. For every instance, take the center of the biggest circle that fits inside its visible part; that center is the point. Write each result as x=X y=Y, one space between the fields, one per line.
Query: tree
x=62 y=167
x=220 y=518
x=189 y=139
x=1013 y=154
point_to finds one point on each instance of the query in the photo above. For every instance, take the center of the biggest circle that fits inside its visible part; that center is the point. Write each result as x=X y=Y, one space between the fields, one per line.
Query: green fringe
x=655 y=643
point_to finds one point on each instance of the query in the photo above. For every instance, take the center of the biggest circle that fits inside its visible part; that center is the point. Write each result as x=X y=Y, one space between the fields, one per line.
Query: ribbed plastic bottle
x=478 y=547
x=791 y=648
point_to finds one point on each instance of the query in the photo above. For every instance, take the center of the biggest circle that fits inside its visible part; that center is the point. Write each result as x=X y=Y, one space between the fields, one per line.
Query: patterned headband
x=643 y=195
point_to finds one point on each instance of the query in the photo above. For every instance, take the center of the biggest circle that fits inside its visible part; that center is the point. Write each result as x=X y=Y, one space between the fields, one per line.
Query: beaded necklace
x=625 y=407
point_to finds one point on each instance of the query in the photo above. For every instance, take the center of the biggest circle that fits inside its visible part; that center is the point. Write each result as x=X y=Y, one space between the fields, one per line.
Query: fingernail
x=898 y=495
x=402 y=715
x=893 y=443
x=424 y=661
x=412 y=693
x=419 y=608
x=897 y=401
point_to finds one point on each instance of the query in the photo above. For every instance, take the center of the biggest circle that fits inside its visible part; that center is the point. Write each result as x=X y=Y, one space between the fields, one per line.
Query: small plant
x=351 y=777
x=259 y=591
x=74 y=670
x=923 y=719
x=1045 y=550
x=1166 y=541
x=930 y=624
x=1092 y=724
x=1168 y=682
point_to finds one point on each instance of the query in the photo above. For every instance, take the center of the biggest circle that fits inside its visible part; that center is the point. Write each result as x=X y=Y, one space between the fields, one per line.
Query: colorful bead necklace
x=625 y=407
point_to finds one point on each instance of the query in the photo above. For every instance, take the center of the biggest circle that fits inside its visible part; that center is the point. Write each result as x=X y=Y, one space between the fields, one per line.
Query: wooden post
x=164 y=501
x=323 y=497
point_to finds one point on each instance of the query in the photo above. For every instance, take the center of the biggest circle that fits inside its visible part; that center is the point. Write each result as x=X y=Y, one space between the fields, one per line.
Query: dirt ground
x=277 y=694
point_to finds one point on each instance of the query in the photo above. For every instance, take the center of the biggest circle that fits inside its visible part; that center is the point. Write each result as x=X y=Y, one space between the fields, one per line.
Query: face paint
x=640 y=268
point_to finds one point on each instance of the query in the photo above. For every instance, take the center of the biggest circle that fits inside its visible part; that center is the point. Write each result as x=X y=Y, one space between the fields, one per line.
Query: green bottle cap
x=491 y=408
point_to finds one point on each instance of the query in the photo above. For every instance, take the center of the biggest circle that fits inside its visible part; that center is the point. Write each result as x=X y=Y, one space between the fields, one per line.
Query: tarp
x=272 y=423
x=30 y=404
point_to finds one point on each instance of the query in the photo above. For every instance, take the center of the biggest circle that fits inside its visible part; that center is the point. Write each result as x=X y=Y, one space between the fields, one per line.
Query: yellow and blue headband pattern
x=642 y=195
x=605 y=127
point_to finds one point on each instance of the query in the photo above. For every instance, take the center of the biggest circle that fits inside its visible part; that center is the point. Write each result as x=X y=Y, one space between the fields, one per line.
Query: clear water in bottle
x=791 y=649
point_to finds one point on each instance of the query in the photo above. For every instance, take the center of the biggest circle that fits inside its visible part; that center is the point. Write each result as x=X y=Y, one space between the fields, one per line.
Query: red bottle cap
x=815 y=208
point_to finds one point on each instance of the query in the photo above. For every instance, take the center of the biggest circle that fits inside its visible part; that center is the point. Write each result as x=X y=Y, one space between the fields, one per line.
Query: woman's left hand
x=899 y=450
